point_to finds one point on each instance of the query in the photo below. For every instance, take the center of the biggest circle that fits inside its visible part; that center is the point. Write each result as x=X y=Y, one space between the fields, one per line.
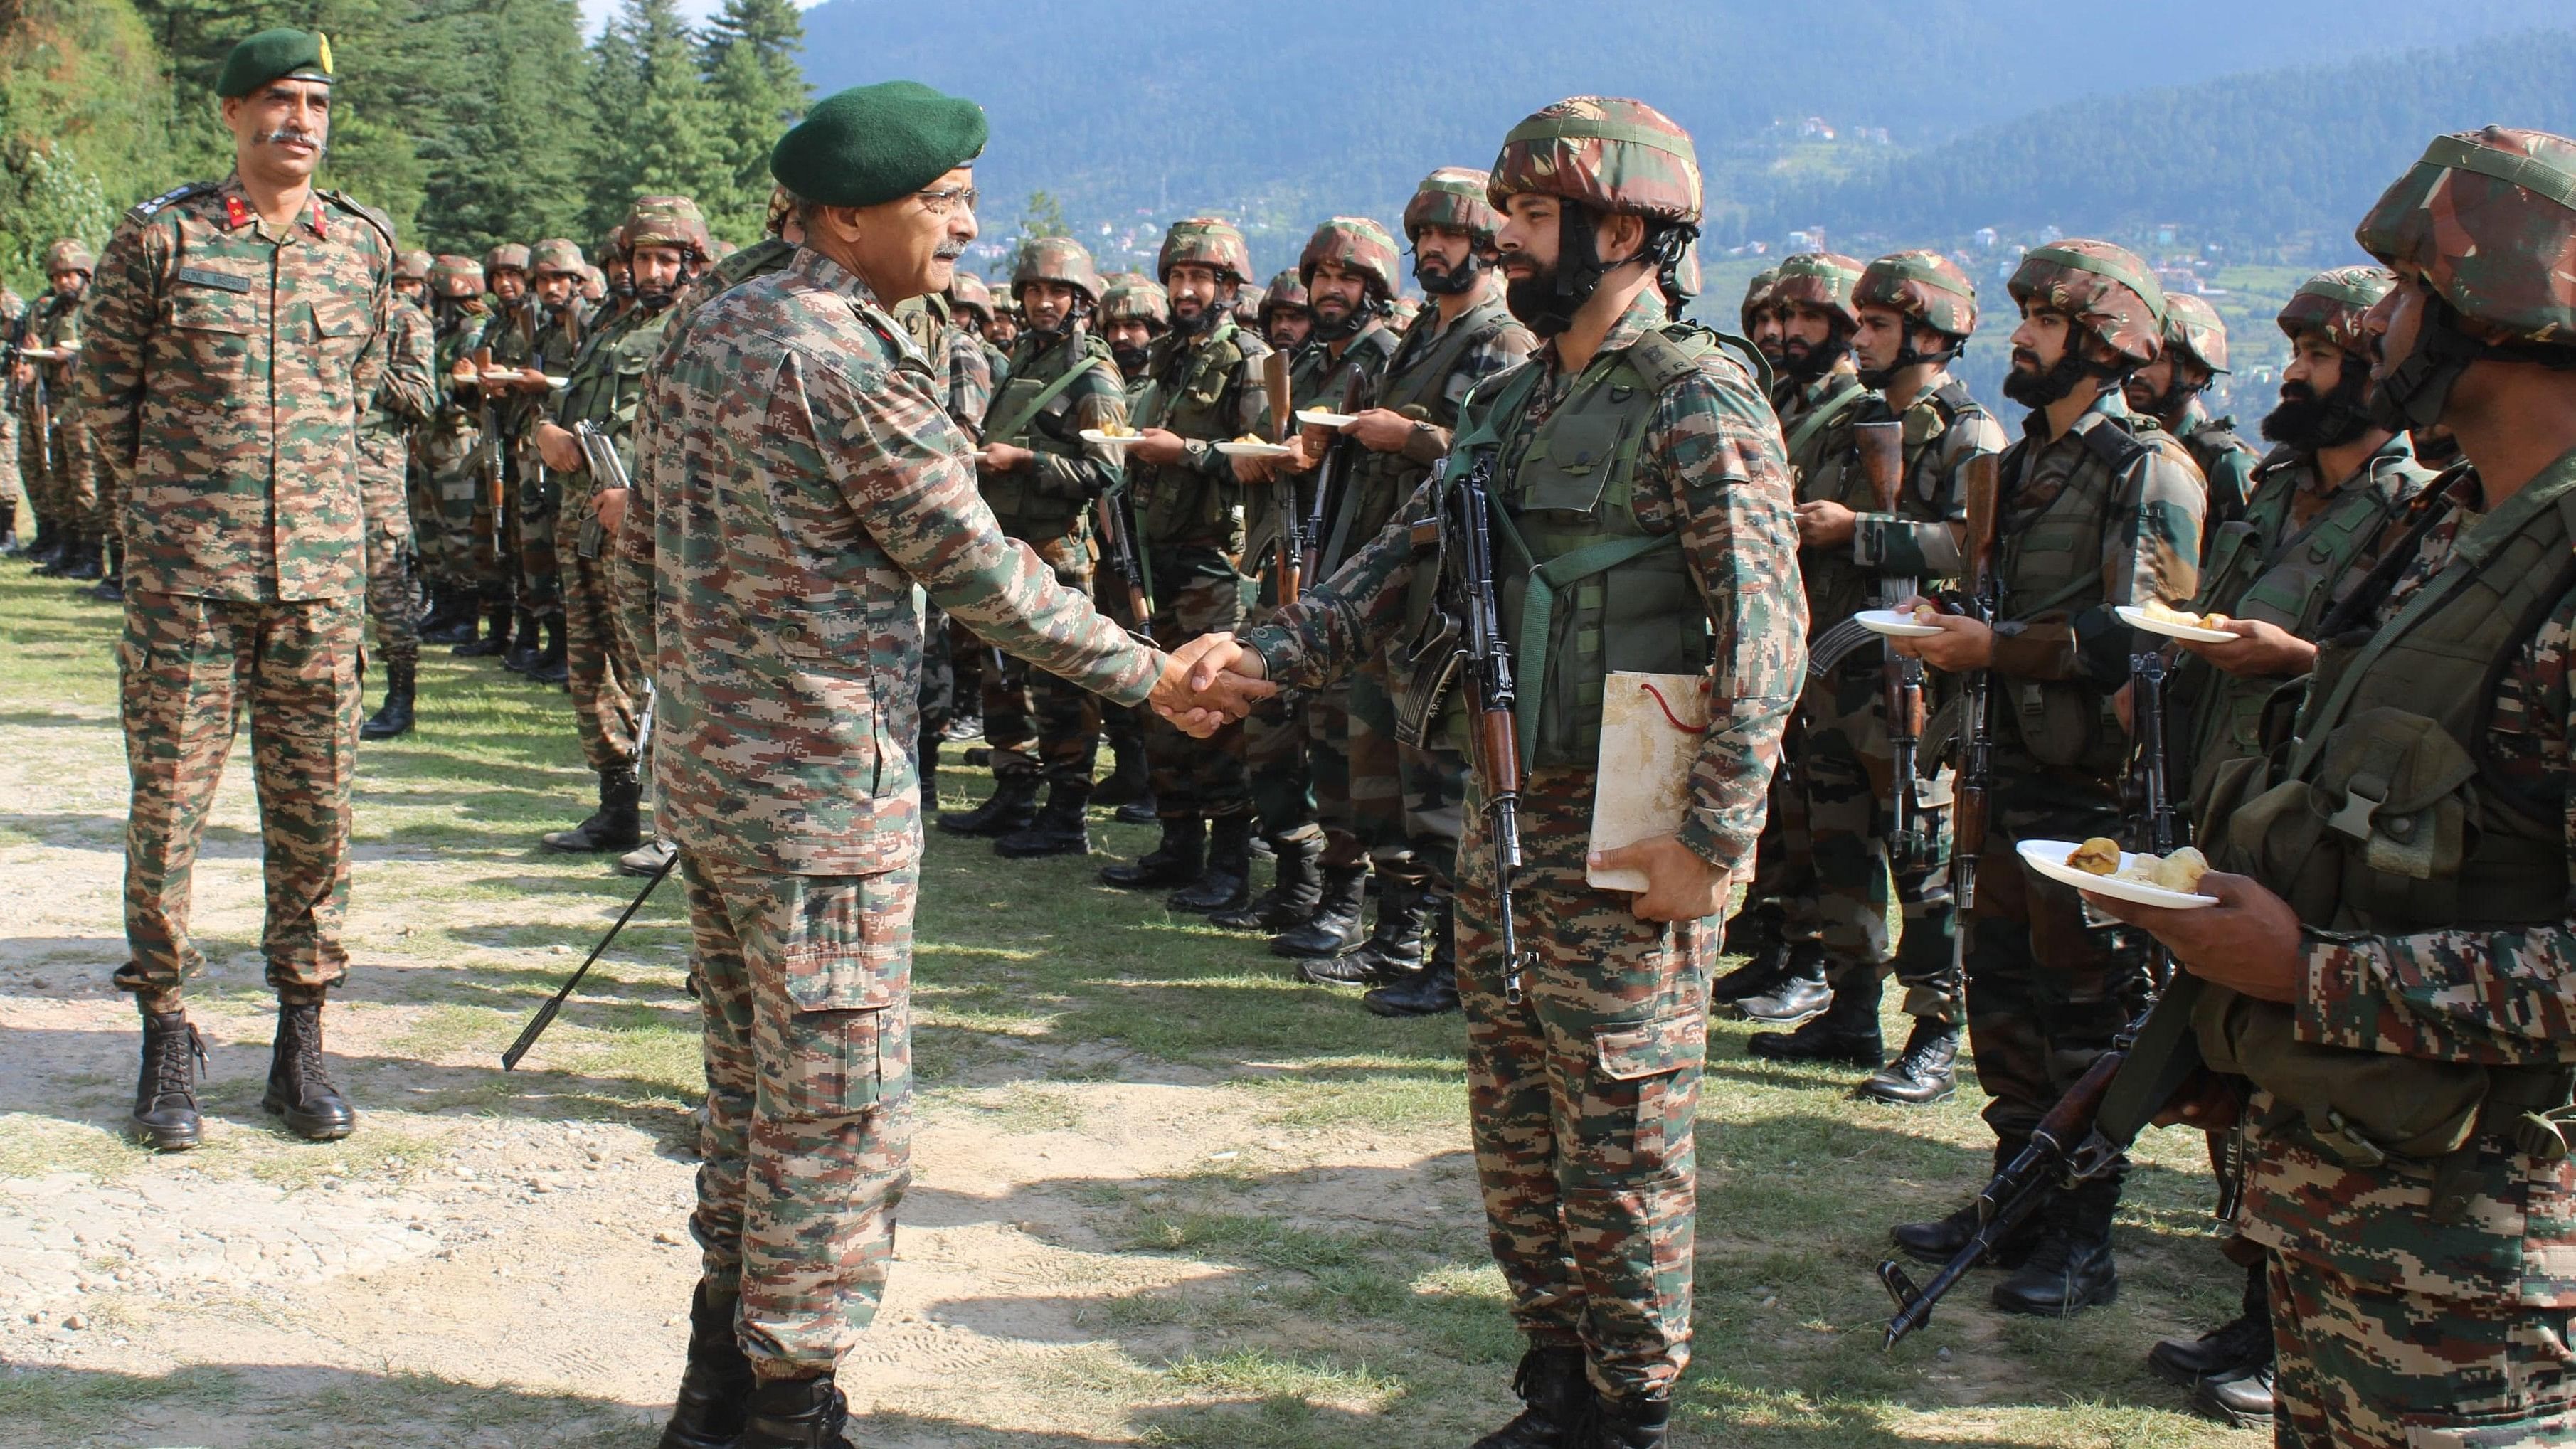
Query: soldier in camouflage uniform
x=54 y=451
x=412 y=285
x=1296 y=751
x=973 y=381
x=463 y=568
x=782 y=625
x=2399 y=1004
x=1818 y=394
x=244 y=530
x=509 y=336
x=1584 y=1058
x=406 y=397
x=1204 y=387
x=562 y=322
x=1133 y=314
x=664 y=236
x=2171 y=390
x=1760 y=316
x=1913 y=311
x=1039 y=478
x=1284 y=317
x=2100 y=508
x=13 y=320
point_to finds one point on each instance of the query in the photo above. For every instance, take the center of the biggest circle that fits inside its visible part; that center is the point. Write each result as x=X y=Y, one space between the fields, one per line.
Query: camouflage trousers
x=2363 y=1364
x=450 y=449
x=1196 y=593
x=1582 y=1098
x=540 y=500
x=1847 y=772
x=188 y=669
x=429 y=540
x=1123 y=726
x=1434 y=780
x=9 y=471
x=937 y=697
x=606 y=678
x=60 y=473
x=1037 y=723
x=1373 y=771
x=1780 y=901
x=2046 y=992
x=806 y=1149
x=388 y=510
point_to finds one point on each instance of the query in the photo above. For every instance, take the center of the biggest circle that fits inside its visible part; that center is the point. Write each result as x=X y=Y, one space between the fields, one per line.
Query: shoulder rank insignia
x=144 y=211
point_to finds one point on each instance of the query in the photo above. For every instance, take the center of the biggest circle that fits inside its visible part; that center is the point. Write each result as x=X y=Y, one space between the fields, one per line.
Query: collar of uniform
x=810 y=265
x=239 y=212
x=2107 y=405
x=1645 y=314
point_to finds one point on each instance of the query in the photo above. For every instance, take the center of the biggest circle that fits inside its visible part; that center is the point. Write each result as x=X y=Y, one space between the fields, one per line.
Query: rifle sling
x=2165 y=1053
x=1045 y=395
x=1822 y=418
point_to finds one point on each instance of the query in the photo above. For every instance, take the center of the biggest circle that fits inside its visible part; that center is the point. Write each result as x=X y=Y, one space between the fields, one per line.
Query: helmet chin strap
x=1456 y=280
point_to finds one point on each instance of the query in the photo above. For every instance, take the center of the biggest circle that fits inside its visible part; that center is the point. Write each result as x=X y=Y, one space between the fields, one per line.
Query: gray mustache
x=292 y=133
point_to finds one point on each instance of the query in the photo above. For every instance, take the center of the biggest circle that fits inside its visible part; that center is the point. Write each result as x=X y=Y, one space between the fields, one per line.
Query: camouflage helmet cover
x=1356 y=244
x=1453 y=197
x=413 y=266
x=555 y=254
x=2489 y=218
x=507 y=257
x=2192 y=327
x=665 y=221
x=1136 y=299
x=455 y=276
x=1205 y=241
x=2334 y=302
x=1604 y=152
x=1285 y=290
x=1923 y=285
x=2103 y=287
x=1058 y=259
x=68 y=255
x=1402 y=311
x=967 y=293
x=1819 y=279
x=1757 y=295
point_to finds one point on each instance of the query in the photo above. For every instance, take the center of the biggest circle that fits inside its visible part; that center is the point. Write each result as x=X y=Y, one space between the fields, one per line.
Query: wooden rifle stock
x=1328 y=482
x=1881 y=448
x=491 y=437
x=1976 y=750
x=1882 y=461
x=1289 y=574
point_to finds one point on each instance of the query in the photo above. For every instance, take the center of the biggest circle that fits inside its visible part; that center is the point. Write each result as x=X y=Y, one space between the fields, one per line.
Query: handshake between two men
x=1209 y=683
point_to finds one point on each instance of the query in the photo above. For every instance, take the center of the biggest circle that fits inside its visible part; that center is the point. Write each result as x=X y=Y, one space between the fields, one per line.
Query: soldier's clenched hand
x=560 y=449
x=1680 y=884
x=1158 y=446
x=1962 y=644
x=1206 y=684
x=2259 y=651
x=2248 y=942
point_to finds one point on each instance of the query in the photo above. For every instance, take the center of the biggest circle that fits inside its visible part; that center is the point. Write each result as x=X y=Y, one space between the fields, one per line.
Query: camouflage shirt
x=1945 y=430
x=1195 y=504
x=607 y=383
x=2226 y=460
x=1712 y=470
x=54 y=321
x=970 y=378
x=1066 y=467
x=808 y=476
x=408 y=393
x=225 y=374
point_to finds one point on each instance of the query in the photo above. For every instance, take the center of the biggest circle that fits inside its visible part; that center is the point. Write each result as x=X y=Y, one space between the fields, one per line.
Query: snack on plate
x=2159 y=610
x=1926 y=613
x=1250 y=438
x=2096 y=857
x=1117 y=430
x=2179 y=872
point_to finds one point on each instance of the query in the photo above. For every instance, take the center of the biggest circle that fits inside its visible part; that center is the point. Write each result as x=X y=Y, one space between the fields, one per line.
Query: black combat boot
x=1062 y=828
x=84 y=563
x=1174 y=861
x=47 y=547
x=1800 y=998
x=495 y=642
x=1557 y=1396
x=523 y=647
x=1765 y=971
x=402 y=668
x=1926 y=1071
x=1010 y=808
x=1940 y=1239
x=613 y=825
x=716 y=1383
x=450 y=619
x=165 y=1096
x=2244 y=1399
x=963 y=727
x=2243 y=1343
x=9 y=544
x=110 y=588
x=1392 y=951
x=67 y=556
x=1432 y=988
x=795 y=1414
x=1846 y=1032
x=1226 y=883
x=549 y=666
x=1128 y=781
x=299 y=1085
x=1296 y=884
x=647 y=859
x=1624 y=1424
x=2070 y=1268
x=1333 y=926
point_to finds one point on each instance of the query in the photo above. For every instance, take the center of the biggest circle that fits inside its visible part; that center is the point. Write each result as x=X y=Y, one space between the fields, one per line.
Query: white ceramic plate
x=41 y=354
x=2141 y=619
x=2048 y=857
x=1895 y=624
x=1323 y=419
x=1110 y=440
x=554 y=381
x=1255 y=450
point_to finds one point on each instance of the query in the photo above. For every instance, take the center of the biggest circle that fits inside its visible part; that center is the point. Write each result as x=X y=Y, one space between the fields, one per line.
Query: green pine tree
x=660 y=131
x=507 y=158
x=759 y=90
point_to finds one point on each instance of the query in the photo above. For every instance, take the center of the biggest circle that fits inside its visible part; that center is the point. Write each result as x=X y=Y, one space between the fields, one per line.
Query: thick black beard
x=2307 y=422
x=2039 y=389
x=1193 y=326
x=1815 y=364
x=1131 y=360
x=1452 y=283
x=1320 y=330
x=1546 y=301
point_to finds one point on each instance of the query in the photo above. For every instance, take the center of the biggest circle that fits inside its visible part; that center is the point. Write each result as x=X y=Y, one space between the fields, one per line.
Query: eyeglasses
x=942 y=203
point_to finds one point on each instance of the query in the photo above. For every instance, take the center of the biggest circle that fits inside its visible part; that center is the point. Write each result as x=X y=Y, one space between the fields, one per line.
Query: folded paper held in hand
x=1651 y=726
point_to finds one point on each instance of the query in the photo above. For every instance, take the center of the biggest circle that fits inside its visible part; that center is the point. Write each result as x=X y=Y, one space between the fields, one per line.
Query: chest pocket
x=1568 y=465
x=214 y=334
x=338 y=329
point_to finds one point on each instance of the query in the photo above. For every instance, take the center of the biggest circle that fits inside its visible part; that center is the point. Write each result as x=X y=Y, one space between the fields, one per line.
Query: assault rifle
x=1118 y=542
x=1292 y=547
x=1882 y=459
x=2150 y=780
x=1330 y=480
x=1978 y=600
x=1487 y=661
x=490 y=419
x=16 y=345
x=607 y=471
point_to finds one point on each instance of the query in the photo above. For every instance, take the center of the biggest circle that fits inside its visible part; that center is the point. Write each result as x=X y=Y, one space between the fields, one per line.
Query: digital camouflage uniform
x=509 y=334
x=245 y=549
x=783 y=627
x=57 y=459
x=2425 y=1301
x=468 y=562
x=1582 y=1095
x=406 y=396
x=557 y=341
x=13 y=317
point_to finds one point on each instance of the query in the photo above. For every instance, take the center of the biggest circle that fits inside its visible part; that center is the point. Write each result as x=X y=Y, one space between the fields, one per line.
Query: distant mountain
x=1132 y=114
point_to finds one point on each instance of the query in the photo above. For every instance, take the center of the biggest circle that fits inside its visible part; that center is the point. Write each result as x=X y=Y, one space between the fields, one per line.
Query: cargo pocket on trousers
x=1644 y=1078
x=847 y=964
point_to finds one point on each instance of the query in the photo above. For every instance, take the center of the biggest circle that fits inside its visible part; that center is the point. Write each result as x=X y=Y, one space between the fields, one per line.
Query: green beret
x=868 y=145
x=272 y=54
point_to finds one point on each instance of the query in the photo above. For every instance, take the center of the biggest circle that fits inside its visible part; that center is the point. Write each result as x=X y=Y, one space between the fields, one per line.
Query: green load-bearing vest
x=2053 y=564
x=1179 y=504
x=1412 y=384
x=1036 y=407
x=1581 y=587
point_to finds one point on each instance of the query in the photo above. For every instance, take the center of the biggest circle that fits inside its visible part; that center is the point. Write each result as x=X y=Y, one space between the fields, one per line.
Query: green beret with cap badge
x=869 y=145
x=284 y=53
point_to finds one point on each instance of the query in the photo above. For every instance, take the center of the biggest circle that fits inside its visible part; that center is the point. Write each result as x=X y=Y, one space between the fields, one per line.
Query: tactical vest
x=1582 y=588
x=1037 y=404
x=2292 y=588
x=1414 y=384
x=2391 y=818
x=1838 y=586
x=1180 y=504
x=608 y=377
x=2053 y=564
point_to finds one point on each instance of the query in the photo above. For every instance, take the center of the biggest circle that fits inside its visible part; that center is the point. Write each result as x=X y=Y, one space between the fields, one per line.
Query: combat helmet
x=1208 y=242
x=1285 y=290
x=1604 y=152
x=1136 y=299
x=967 y=293
x=413 y=266
x=507 y=257
x=1355 y=243
x=1757 y=296
x=2101 y=286
x=455 y=277
x=1819 y=279
x=1058 y=259
x=68 y=255
x=2193 y=330
x=664 y=221
x=1453 y=197
x=555 y=254
x=2334 y=302
x=1923 y=286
